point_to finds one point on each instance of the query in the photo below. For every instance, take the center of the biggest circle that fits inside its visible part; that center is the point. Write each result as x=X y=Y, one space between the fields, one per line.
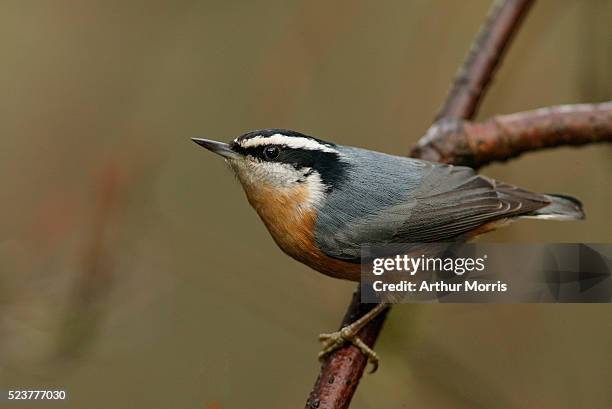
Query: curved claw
x=374 y=367
x=335 y=340
x=368 y=352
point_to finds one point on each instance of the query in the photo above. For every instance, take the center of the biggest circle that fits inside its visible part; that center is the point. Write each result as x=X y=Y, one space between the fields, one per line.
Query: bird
x=321 y=202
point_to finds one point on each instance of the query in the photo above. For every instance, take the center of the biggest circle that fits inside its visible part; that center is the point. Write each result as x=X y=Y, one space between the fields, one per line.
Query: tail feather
x=562 y=207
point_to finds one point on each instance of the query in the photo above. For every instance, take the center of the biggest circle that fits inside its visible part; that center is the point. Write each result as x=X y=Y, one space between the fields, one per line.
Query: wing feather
x=446 y=203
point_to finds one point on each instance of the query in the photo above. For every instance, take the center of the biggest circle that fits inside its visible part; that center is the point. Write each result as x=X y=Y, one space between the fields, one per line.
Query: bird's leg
x=335 y=340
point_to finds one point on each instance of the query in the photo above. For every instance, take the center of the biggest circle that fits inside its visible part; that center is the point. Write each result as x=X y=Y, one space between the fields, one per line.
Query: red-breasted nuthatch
x=322 y=201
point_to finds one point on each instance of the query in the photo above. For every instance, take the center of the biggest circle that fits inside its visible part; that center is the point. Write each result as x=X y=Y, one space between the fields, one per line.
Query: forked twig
x=503 y=137
x=484 y=56
x=452 y=139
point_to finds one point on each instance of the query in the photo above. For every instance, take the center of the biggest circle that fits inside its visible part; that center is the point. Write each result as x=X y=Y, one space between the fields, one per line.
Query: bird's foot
x=335 y=340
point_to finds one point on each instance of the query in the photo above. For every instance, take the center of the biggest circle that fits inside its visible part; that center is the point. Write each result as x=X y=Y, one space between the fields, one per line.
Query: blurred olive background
x=134 y=274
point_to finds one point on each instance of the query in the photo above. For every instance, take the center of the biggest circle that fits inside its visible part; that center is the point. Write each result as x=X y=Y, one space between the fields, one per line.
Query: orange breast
x=292 y=225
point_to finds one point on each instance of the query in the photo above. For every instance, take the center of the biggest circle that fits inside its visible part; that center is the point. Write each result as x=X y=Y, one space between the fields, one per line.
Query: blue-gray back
x=392 y=199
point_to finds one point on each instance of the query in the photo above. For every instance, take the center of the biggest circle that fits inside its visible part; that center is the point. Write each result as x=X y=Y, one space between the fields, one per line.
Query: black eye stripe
x=327 y=164
x=258 y=152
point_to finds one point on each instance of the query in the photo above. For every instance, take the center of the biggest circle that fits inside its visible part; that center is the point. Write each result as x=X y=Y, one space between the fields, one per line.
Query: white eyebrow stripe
x=290 y=141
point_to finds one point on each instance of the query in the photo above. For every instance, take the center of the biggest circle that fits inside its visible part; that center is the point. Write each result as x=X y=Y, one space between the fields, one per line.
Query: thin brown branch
x=340 y=374
x=487 y=50
x=503 y=137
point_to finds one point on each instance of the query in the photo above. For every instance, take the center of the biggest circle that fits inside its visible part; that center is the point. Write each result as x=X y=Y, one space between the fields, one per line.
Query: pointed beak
x=219 y=148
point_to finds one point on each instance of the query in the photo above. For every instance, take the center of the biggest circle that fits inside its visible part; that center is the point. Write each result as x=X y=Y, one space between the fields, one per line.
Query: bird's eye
x=271 y=152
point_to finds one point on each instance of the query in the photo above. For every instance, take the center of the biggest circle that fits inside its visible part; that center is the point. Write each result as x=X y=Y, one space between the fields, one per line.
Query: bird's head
x=281 y=161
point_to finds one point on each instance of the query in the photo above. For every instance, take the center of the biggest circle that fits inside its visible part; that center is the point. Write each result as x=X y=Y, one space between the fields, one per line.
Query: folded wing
x=445 y=203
